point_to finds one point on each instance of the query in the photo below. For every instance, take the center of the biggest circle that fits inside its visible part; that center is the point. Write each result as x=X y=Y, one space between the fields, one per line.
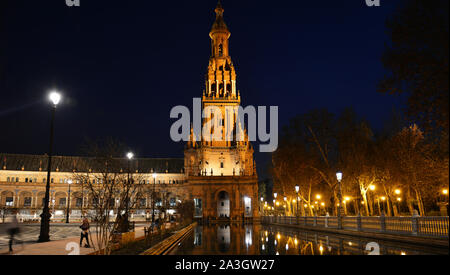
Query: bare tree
x=111 y=186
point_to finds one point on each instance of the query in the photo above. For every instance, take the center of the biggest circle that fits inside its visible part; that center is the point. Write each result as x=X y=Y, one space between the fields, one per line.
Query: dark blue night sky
x=122 y=65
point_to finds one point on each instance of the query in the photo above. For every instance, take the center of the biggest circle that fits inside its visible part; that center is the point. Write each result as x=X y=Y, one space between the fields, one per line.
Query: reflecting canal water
x=255 y=239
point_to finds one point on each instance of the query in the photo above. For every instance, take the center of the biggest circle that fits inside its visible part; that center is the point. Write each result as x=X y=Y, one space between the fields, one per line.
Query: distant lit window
x=142 y=202
x=9 y=201
x=27 y=201
x=62 y=201
x=173 y=202
x=79 y=202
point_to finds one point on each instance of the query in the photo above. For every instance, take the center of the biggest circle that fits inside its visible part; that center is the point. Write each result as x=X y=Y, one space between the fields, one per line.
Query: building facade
x=219 y=175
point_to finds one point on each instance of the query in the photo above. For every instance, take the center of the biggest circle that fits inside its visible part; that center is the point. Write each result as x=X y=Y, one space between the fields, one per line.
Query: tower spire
x=219 y=9
x=219 y=25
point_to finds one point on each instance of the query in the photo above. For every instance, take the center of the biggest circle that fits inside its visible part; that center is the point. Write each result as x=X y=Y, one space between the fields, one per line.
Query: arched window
x=220 y=50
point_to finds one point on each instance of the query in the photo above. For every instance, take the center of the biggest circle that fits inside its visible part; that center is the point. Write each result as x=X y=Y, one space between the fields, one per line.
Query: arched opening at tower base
x=223 y=205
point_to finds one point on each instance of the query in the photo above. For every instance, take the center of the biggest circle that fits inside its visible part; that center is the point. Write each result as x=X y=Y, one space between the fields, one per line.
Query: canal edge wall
x=165 y=246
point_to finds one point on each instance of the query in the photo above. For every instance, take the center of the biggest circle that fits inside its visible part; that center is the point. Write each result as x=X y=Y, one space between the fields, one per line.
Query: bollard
x=383 y=222
x=326 y=220
x=358 y=222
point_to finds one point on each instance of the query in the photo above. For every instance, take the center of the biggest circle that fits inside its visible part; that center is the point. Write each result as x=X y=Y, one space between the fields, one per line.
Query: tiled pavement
x=62 y=236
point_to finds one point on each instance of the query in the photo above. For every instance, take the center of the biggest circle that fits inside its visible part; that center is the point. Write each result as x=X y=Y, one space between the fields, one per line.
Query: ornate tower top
x=219 y=25
x=221 y=75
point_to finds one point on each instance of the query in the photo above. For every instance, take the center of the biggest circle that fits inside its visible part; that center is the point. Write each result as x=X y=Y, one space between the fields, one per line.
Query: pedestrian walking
x=85 y=232
x=12 y=228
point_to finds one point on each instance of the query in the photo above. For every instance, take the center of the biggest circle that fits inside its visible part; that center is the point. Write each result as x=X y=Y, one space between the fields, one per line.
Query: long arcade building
x=218 y=176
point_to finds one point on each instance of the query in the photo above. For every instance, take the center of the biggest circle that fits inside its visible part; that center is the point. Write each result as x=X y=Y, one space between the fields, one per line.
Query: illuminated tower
x=228 y=155
x=221 y=171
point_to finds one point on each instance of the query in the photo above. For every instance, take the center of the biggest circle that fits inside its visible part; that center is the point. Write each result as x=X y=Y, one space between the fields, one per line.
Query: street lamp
x=44 y=235
x=318 y=197
x=153 y=200
x=339 y=179
x=68 y=202
x=398 y=191
x=261 y=209
x=130 y=156
x=297 y=190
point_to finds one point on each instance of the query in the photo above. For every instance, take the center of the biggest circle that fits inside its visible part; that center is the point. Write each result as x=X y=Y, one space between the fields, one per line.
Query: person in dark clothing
x=85 y=232
x=13 y=229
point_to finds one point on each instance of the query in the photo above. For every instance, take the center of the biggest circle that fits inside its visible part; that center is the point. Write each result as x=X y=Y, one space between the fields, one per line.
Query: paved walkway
x=58 y=247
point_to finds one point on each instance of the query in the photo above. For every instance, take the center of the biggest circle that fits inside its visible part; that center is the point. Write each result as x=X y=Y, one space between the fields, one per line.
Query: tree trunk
x=371 y=206
x=366 y=203
x=389 y=207
x=410 y=202
x=420 y=203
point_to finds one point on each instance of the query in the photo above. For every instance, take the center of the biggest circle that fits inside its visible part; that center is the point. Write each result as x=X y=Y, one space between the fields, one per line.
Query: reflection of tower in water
x=224 y=238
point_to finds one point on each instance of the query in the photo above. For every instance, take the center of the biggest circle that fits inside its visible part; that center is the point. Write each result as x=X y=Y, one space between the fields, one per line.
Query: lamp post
x=383 y=199
x=261 y=207
x=339 y=214
x=371 y=199
x=297 y=190
x=130 y=156
x=153 y=200
x=275 y=195
x=44 y=235
x=68 y=202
